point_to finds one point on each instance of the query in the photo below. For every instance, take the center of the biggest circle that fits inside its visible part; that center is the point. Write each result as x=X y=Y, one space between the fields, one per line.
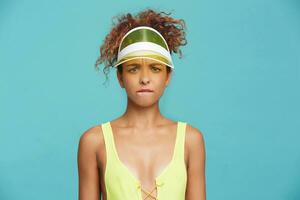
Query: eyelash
x=130 y=70
x=156 y=69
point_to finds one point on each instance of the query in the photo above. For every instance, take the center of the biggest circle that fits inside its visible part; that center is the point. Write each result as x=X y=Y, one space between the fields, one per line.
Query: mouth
x=144 y=90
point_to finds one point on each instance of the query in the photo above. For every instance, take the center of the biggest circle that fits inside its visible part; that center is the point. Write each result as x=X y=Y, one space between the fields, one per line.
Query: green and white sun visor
x=144 y=42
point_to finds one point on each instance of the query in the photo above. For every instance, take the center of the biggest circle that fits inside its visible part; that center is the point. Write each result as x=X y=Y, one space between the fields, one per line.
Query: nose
x=144 y=78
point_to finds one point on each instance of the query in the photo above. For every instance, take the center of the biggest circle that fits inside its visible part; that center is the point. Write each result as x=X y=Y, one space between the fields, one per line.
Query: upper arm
x=196 y=189
x=88 y=172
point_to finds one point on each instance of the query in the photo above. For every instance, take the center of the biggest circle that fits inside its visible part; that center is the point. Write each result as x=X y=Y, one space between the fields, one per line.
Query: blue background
x=238 y=83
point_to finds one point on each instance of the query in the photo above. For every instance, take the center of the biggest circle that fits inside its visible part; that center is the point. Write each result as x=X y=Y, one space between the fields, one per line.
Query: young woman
x=142 y=155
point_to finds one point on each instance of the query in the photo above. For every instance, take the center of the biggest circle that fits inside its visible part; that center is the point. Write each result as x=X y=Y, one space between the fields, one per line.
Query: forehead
x=141 y=61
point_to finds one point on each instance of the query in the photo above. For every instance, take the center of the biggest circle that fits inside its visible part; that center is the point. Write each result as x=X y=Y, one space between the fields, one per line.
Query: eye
x=134 y=69
x=156 y=69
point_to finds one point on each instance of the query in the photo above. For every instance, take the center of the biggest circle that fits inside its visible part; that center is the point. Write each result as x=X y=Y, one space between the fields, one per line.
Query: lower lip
x=144 y=93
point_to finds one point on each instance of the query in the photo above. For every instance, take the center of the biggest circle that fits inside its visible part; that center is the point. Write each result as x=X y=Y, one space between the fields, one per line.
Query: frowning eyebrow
x=133 y=64
x=137 y=64
x=156 y=64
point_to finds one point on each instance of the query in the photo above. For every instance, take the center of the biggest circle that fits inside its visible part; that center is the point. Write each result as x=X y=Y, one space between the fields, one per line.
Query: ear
x=168 y=78
x=120 y=79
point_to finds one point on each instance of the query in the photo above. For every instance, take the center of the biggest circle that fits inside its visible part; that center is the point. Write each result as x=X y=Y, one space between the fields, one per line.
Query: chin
x=144 y=102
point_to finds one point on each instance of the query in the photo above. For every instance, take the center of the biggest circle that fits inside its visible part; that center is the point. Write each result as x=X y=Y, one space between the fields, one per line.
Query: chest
x=144 y=157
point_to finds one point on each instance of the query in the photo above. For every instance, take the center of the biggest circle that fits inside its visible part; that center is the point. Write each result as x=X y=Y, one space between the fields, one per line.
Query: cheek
x=126 y=79
x=160 y=84
x=130 y=83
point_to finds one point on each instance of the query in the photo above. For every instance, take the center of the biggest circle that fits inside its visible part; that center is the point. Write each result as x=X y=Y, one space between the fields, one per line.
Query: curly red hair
x=171 y=29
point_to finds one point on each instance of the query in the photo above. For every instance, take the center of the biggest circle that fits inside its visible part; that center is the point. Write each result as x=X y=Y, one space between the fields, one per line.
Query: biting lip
x=145 y=90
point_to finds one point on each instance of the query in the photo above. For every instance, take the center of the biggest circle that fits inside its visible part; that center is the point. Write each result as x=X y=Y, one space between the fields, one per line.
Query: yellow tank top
x=121 y=184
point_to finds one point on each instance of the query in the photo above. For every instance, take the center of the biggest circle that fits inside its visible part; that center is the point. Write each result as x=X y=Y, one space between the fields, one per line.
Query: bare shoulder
x=91 y=138
x=88 y=168
x=194 y=136
x=194 y=140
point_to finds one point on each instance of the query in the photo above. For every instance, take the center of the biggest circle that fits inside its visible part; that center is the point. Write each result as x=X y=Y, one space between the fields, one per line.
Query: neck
x=142 y=116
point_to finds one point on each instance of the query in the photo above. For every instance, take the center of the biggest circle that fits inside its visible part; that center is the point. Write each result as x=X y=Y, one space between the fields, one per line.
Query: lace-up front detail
x=149 y=194
x=121 y=184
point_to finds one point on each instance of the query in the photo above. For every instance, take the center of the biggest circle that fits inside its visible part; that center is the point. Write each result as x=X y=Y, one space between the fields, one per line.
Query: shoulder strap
x=107 y=140
x=181 y=140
